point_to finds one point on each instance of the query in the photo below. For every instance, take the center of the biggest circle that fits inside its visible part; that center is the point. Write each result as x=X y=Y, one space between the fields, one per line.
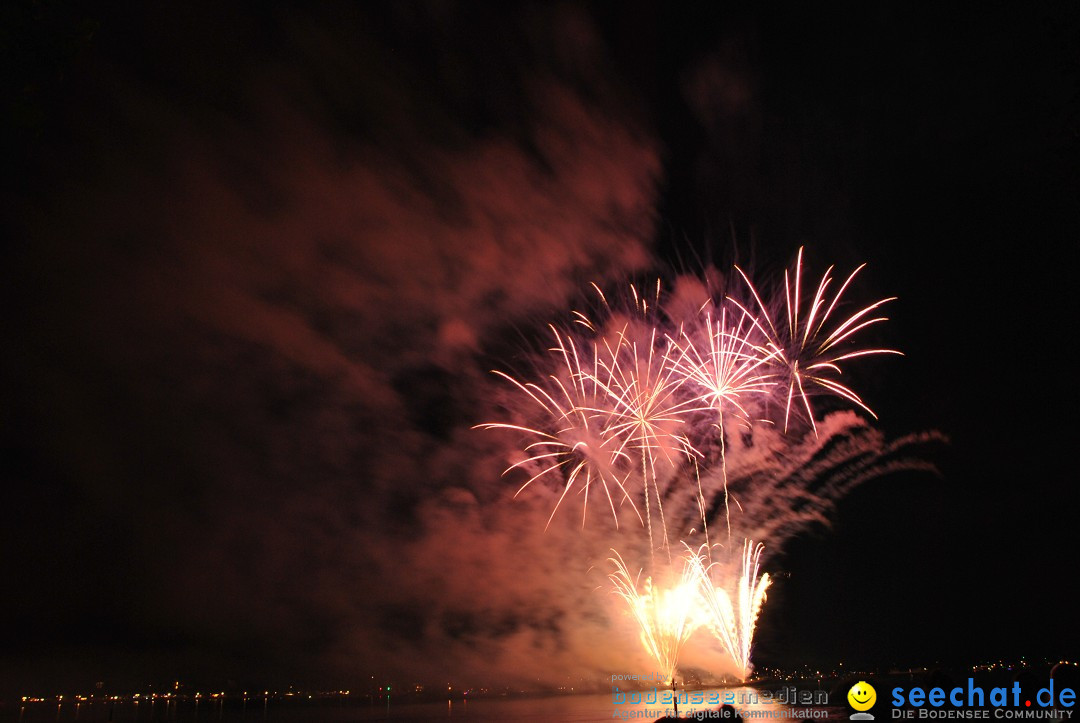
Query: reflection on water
x=576 y=708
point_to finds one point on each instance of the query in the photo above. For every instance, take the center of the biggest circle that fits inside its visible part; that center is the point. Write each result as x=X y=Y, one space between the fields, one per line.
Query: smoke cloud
x=263 y=312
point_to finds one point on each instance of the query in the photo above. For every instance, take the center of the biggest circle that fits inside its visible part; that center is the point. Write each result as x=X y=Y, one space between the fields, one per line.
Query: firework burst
x=575 y=438
x=808 y=345
x=645 y=411
x=722 y=361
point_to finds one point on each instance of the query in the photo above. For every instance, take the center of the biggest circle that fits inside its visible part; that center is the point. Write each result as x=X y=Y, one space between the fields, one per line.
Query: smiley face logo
x=862 y=696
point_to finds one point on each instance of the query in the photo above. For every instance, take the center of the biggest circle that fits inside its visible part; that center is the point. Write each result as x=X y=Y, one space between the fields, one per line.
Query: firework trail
x=733 y=624
x=781 y=485
x=808 y=346
x=644 y=409
x=722 y=361
x=666 y=616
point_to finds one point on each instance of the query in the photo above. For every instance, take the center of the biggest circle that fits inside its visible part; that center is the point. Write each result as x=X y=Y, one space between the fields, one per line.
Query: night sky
x=259 y=265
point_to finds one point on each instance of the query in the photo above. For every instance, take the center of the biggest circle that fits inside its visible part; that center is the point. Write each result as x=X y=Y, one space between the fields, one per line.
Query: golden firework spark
x=733 y=624
x=666 y=616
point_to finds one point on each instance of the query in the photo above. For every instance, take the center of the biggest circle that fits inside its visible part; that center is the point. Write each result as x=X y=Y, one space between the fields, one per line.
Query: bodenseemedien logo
x=862 y=697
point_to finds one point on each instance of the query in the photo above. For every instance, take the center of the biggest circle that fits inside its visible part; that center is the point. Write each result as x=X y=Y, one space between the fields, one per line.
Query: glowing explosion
x=640 y=407
x=667 y=616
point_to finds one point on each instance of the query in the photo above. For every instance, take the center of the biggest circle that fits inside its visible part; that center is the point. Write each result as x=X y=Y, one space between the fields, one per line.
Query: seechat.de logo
x=971 y=701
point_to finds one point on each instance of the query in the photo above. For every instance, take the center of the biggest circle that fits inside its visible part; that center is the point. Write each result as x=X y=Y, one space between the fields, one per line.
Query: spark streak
x=666 y=617
x=733 y=624
x=580 y=443
x=730 y=366
x=805 y=349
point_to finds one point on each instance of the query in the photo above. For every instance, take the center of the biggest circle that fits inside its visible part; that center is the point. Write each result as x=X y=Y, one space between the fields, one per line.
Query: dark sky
x=260 y=264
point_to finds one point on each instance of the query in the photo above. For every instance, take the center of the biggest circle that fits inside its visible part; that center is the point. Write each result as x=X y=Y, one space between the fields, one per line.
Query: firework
x=621 y=405
x=722 y=361
x=808 y=346
x=666 y=616
x=612 y=400
x=645 y=411
x=733 y=624
x=577 y=440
